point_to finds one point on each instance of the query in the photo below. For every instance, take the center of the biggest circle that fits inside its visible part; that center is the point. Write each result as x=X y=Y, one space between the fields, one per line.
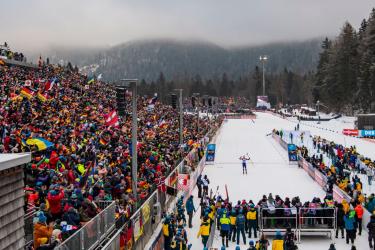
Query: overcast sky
x=37 y=24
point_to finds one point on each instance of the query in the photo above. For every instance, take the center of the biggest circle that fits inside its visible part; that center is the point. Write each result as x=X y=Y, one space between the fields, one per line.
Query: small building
x=366 y=121
x=12 y=200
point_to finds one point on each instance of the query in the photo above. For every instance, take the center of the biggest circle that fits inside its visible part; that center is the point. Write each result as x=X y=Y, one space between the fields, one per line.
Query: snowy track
x=268 y=172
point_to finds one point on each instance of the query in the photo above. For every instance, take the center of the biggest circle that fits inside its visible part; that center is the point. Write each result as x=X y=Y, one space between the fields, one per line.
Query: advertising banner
x=146 y=212
x=262 y=102
x=210 y=155
x=339 y=195
x=292 y=152
x=320 y=179
x=367 y=133
x=351 y=132
x=158 y=243
x=138 y=227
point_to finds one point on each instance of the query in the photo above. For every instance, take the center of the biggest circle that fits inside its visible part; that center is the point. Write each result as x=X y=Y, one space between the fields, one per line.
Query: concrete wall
x=12 y=208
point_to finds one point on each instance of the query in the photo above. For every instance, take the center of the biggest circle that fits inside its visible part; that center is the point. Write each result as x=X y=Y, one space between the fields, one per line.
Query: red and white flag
x=112 y=120
x=183 y=182
x=160 y=182
x=49 y=85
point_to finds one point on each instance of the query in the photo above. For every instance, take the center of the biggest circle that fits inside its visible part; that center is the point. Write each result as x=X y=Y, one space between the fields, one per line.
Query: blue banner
x=367 y=133
x=210 y=155
x=292 y=152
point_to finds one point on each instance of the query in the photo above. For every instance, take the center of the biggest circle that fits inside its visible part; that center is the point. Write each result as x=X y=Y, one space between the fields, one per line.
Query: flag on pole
x=42 y=97
x=160 y=183
x=183 y=182
x=153 y=100
x=50 y=84
x=112 y=119
x=27 y=92
x=27 y=83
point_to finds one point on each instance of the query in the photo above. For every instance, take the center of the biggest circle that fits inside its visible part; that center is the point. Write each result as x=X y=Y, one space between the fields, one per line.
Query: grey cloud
x=37 y=24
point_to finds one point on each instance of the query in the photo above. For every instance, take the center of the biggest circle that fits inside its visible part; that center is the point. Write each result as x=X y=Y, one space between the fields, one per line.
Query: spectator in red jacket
x=54 y=199
x=359 y=211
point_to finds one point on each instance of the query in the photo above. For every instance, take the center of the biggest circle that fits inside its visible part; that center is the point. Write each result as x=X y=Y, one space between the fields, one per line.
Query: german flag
x=103 y=142
x=42 y=97
x=26 y=92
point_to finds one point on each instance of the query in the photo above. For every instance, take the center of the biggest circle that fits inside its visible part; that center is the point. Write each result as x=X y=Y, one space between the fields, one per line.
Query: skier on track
x=244 y=158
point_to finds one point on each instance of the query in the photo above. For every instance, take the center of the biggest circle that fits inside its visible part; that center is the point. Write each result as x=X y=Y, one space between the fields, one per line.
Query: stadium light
x=196 y=95
x=263 y=59
x=132 y=85
x=181 y=141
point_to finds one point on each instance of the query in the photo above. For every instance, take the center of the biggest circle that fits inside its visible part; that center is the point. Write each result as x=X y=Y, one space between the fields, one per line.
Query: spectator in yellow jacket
x=278 y=242
x=204 y=230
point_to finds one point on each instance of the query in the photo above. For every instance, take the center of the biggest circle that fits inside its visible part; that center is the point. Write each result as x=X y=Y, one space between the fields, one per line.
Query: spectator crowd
x=79 y=156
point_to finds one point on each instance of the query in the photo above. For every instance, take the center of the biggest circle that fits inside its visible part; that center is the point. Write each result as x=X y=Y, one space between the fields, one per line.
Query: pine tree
x=366 y=53
x=320 y=81
x=341 y=75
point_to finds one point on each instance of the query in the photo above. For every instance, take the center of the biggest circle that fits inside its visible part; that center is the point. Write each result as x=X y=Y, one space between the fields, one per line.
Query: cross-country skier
x=244 y=158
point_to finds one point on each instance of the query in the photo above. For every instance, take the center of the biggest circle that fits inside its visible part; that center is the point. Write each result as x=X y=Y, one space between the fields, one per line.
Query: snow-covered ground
x=269 y=172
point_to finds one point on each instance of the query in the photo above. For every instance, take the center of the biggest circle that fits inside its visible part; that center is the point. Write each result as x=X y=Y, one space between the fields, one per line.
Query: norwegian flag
x=112 y=119
x=183 y=182
x=160 y=183
x=49 y=85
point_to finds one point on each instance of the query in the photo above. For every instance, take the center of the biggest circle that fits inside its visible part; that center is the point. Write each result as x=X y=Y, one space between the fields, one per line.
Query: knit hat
x=42 y=218
x=238 y=248
x=42 y=206
x=251 y=243
x=222 y=247
x=278 y=233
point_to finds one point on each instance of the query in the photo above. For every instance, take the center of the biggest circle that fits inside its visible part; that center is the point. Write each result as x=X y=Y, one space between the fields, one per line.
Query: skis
x=217 y=189
x=226 y=192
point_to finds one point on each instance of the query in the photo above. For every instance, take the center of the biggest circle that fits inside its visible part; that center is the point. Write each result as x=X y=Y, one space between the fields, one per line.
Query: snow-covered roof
x=13 y=160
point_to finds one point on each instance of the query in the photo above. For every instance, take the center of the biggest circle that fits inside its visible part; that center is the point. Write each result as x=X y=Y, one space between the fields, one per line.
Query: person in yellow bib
x=168 y=233
x=278 y=242
x=225 y=228
x=251 y=218
x=204 y=230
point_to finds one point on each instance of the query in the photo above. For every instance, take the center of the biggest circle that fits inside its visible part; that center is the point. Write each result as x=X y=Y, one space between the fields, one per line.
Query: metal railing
x=29 y=226
x=277 y=219
x=163 y=201
x=301 y=221
x=318 y=220
x=88 y=236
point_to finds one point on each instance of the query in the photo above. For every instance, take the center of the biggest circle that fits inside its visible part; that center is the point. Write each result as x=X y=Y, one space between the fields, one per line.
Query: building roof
x=13 y=160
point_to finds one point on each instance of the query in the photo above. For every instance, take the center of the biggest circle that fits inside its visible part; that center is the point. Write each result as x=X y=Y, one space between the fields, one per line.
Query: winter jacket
x=55 y=202
x=277 y=244
x=359 y=211
x=71 y=218
x=240 y=221
x=371 y=228
x=190 y=205
x=204 y=229
x=232 y=220
x=251 y=215
x=349 y=222
x=340 y=217
x=225 y=223
x=167 y=230
x=42 y=234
